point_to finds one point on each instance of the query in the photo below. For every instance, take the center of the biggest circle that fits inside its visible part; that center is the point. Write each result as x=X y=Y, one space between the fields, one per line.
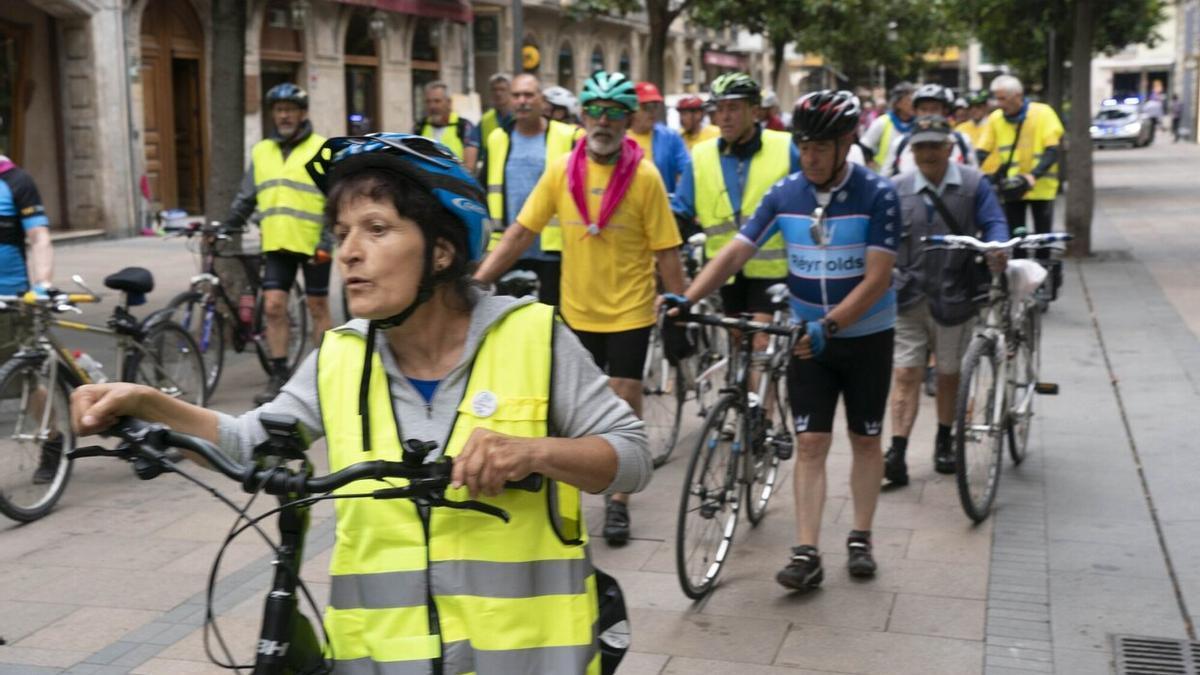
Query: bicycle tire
x=297 y=310
x=977 y=457
x=20 y=498
x=663 y=393
x=1026 y=368
x=762 y=463
x=191 y=310
x=181 y=377
x=711 y=495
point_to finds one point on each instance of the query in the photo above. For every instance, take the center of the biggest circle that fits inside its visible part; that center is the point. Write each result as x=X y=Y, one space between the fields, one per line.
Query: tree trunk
x=226 y=112
x=659 y=19
x=1081 y=190
x=777 y=51
x=1055 y=71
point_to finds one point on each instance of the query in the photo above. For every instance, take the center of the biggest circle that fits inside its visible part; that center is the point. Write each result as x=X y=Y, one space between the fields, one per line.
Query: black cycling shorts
x=746 y=295
x=857 y=368
x=549 y=273
x=281 y=268
x=621 y=354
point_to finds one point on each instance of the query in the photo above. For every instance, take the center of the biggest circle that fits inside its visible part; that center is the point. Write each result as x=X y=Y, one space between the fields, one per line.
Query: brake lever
x=95 y=451
x=68 y=308
x=471 y=505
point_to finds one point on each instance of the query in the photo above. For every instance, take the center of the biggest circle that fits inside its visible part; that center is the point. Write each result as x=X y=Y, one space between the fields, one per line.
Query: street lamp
x=299 y=13
x=377 y=26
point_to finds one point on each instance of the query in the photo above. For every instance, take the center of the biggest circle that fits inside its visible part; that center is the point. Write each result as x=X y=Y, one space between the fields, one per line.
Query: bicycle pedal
x=1046 y=388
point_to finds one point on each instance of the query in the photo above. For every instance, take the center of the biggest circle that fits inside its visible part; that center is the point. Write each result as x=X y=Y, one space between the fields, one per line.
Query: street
x=1097 y=534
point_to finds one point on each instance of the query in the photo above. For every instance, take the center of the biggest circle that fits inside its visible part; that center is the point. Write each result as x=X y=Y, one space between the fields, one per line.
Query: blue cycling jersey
x=20 y=207
x=863 y=213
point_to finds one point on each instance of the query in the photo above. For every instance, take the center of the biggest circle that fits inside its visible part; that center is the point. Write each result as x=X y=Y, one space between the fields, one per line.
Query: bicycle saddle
x=136 y=281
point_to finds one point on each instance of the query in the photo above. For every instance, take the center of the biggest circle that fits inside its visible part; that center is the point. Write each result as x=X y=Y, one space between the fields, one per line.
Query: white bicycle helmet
x=561 y=97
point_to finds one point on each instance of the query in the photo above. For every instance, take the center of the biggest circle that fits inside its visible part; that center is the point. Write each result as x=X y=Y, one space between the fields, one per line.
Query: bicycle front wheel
x=979 y=428
x=35 y=435
x=168 y=359
x=1025 y=371
x=203 y=320
x=662 y=400
x=762 y=459
x=711 y=499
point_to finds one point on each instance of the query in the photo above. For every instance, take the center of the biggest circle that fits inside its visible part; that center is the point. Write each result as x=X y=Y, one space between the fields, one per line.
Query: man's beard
x=606 y=145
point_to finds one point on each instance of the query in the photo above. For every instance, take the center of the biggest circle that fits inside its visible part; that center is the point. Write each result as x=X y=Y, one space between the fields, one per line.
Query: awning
x=451 y=10
x=722 y=59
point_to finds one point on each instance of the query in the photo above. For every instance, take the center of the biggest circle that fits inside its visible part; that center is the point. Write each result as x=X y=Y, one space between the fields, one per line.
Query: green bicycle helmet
x=605 y=86
x=734 y=86
x=978 y=98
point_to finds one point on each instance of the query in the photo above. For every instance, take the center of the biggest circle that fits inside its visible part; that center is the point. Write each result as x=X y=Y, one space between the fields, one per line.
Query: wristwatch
x=831 y=327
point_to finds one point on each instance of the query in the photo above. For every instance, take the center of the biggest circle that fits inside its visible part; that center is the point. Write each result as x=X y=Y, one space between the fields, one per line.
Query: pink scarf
x=5 y=164
x=614 y=192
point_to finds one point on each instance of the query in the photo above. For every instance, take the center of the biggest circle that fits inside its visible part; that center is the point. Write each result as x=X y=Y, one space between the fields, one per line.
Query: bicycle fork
x=288 y=642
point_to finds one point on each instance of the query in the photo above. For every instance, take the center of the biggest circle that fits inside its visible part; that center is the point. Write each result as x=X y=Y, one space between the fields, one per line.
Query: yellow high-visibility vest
x=559 y=139
x=1040 y=123
x=772 y=162
x=461 y=586
x=449 y=138
x=291 y=205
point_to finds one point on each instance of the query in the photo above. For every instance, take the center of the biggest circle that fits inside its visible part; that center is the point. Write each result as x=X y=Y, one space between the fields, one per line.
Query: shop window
x=362 y=76
x=566 y=66
x=597 y=59
x=624 y=65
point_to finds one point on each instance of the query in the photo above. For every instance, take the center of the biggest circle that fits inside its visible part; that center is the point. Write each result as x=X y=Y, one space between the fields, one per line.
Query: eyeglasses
x=614 y=114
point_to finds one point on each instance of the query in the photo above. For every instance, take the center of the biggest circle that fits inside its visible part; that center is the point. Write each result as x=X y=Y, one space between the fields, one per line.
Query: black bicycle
x=206 y=306
x=287 y=643
x=744 y=438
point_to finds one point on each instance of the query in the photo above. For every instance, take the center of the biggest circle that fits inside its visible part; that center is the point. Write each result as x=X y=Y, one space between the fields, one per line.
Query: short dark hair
x=414 y=202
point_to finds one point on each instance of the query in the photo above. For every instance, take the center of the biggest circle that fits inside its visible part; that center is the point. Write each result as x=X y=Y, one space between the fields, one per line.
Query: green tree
x=660 y=14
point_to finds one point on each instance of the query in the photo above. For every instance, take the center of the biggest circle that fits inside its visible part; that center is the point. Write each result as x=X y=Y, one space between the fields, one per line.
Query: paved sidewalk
x=1077 y=550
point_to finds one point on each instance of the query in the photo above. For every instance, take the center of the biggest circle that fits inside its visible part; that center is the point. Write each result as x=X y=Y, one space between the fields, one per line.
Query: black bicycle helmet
x=288 y=93
x=935 y=92
x=734 y=86
x=825 y=115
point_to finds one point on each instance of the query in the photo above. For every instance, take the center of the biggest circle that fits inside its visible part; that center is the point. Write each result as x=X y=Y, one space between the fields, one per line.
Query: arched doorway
x=362 y=73
x=598 y=59
x=172 y=75
x=566 y=66
x=623 y=66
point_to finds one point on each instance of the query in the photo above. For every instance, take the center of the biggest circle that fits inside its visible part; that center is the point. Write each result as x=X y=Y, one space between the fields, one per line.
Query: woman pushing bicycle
x=499 y=384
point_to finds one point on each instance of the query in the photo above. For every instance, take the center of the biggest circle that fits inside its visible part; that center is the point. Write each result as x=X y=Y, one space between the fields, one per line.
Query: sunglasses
x=597 y=111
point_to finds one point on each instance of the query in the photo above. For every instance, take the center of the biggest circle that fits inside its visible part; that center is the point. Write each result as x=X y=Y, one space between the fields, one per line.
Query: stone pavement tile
x=997 y=651
x=830 y=606
x=28 y=670
x=971 y=547
x=709 y=637
x=684 y=666
x=1091 y=628
x=88 y=629
x=1073 y=662
x=117 y=552
x=160 y=666
x=32 y=656
x=18 y=619
x=631 y=556
x=241 y=634
x=19 y=541
x=1041 y=614
x=938 y=617
x=1119 y=559
x=1019 y=643
x=637 y=663
x=138 y=655
x=654 y=590
x=138 y=521
x=913 y=576
x=200 y=559
x=149 y=589
x=1026 y=665
x=845 y=650
x=1133 y=594
x=914 y=516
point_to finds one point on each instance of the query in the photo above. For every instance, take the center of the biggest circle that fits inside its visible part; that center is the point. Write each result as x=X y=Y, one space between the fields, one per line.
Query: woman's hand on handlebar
x=96 y=407
x=491 y=459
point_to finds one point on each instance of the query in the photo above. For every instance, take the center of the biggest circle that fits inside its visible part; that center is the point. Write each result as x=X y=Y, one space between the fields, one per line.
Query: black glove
x=677 y=339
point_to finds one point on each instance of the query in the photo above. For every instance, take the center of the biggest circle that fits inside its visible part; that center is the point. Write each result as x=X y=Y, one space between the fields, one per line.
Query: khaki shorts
x=13 y=329
x=917 y=334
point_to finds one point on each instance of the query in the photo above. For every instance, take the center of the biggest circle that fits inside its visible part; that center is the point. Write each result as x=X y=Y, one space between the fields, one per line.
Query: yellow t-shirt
x=607 y=279
x=705 y=133
x=645 y=140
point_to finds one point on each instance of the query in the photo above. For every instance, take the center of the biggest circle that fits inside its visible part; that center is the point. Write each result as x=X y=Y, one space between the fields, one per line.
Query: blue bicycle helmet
x=425 y=161
x=288 y=93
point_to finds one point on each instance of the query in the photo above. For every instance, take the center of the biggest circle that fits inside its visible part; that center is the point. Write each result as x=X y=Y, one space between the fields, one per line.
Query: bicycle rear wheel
x=168 y=359
x=762 y=460
x=662 y=400
x=26 y=401
x=202 y=319
x=711 y=499
x=1024 y=377
x=978 y=429
x=297 y=315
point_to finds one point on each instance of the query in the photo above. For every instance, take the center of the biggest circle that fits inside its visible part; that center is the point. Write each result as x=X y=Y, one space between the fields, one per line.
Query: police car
x=1121 y=122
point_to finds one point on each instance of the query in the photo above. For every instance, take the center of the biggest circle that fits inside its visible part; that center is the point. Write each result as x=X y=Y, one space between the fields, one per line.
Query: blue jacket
x=670 y=155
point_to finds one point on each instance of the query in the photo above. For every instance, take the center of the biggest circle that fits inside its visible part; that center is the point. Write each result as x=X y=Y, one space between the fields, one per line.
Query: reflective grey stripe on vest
x=771 y=254
x=366 y=666
x=287 y=182
x=293 y=213
x=377 y=591
x=510 y=580
x=720 y=228
x=495 y=189
x=460 y=657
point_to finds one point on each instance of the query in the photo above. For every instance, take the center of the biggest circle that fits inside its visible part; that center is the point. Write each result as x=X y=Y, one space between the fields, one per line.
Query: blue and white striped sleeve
x=763 y=224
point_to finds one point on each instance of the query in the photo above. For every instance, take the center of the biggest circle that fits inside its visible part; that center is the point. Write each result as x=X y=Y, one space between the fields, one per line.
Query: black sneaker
x=48 y=464
x=273 y=386
x=804 y=572
x=943 y=456
x=895 y=470
x=860 y=563
x=780 y=441
x=616 y=523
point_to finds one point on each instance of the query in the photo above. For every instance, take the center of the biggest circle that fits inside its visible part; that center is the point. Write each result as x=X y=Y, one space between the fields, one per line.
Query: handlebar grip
x=531 y=483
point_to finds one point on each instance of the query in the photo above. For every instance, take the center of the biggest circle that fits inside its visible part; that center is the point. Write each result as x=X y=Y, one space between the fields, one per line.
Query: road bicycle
x=36 y=383
x=998 y=381
x=745 y=437
x=288 y=643
x=208 y=312
x=667 y=388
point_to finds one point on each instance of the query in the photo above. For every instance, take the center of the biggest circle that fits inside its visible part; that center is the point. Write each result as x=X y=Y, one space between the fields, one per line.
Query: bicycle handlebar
x=144 y=440
x=744 y=325
x=56 y=302
x=962 y=241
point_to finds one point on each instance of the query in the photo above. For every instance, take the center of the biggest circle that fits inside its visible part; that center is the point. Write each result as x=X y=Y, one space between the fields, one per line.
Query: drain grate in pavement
x=1139 y=655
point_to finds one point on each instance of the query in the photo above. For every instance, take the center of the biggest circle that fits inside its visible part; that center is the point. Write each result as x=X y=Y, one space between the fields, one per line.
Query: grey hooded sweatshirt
x=581 y=402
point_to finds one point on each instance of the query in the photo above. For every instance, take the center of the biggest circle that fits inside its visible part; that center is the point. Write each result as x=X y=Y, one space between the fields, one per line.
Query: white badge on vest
x=484 y=404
